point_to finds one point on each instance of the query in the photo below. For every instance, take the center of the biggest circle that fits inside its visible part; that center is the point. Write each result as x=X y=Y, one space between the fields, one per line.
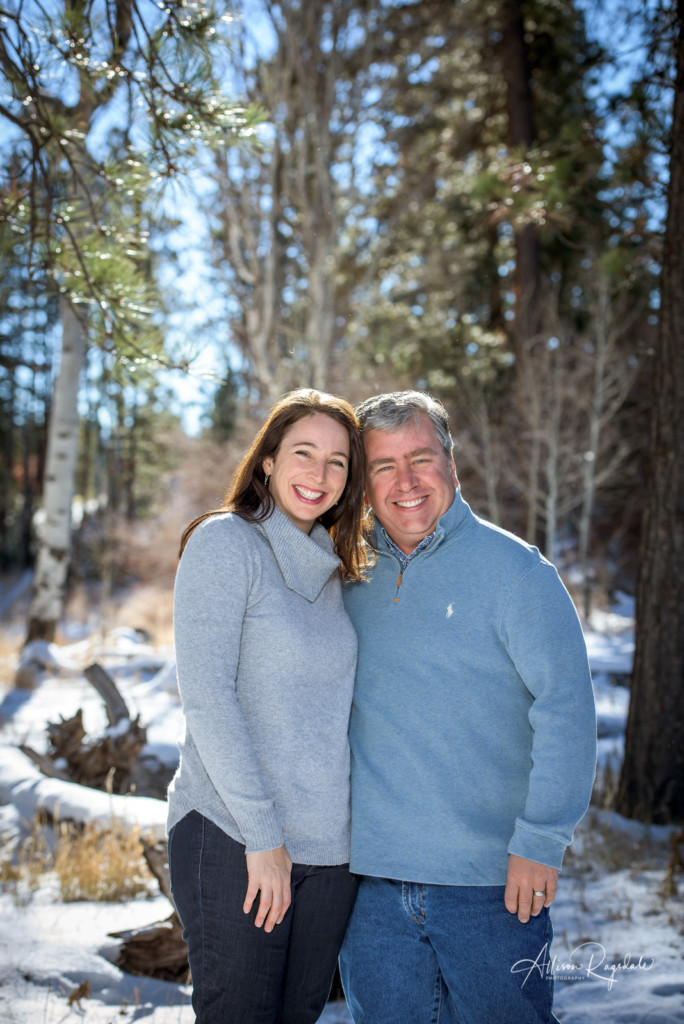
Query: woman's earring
x=266 y=479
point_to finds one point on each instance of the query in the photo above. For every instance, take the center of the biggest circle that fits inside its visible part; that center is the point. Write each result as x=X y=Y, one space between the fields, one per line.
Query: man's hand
x=526 y=881
x=269 y=874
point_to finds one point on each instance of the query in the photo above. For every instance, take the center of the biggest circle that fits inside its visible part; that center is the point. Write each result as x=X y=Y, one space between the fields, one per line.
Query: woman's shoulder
x=223 y=531
x=226 y=521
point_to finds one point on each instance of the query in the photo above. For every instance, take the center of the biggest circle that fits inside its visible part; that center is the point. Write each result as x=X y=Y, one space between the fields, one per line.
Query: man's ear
x=453 y=472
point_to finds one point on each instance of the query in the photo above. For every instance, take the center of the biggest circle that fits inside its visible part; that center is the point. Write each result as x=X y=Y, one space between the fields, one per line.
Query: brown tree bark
x=528 y=318
x=651 y=784
x=521 y=136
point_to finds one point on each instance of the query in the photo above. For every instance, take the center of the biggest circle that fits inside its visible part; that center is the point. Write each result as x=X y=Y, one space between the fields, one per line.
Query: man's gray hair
x=396 y=409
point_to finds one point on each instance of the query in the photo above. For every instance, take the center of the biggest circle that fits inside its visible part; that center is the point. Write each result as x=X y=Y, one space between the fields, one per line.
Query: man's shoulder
x=503 y=543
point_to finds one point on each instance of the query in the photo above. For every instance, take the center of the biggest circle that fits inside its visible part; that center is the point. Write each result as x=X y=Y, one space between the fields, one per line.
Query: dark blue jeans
x=242 y=974
x=444 y=954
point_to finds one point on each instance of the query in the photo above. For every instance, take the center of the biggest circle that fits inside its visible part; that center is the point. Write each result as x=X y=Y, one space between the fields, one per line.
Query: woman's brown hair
x=249 y=497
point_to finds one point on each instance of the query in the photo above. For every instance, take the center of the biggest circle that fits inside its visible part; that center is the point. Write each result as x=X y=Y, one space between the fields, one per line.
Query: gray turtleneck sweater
x=266 y=657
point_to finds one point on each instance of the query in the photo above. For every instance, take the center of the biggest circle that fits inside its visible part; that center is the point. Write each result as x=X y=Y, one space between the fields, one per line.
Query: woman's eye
x=338 y=464
x=302 y=453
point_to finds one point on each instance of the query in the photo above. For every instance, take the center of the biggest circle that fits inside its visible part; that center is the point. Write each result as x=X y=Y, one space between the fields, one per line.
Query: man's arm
x=544 y=638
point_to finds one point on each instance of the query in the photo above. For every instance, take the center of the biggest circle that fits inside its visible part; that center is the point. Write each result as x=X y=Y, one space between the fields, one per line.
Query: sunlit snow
x=617 y=957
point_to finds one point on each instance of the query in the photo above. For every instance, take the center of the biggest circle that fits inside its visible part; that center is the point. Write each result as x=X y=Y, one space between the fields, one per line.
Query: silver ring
x=539 y=892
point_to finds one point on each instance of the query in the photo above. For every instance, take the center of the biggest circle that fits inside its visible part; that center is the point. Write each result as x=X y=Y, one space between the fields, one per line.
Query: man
x=473 y=740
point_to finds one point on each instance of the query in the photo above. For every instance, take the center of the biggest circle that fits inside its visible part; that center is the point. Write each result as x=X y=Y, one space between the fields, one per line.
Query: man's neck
x=403 y=556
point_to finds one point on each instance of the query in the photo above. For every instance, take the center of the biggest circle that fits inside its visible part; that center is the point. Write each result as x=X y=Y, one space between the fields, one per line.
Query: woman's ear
x=267 y=465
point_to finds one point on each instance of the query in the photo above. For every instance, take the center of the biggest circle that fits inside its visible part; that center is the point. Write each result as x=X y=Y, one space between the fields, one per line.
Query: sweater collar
x=306 y=561
x=449 y=523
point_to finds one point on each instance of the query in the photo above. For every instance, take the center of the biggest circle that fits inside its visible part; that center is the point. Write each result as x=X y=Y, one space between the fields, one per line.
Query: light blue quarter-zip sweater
x=265 y=656
x=473 y=728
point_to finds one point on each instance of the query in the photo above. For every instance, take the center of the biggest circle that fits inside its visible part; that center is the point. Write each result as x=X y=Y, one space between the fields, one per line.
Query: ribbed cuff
x=537 y=846
x=262 y=833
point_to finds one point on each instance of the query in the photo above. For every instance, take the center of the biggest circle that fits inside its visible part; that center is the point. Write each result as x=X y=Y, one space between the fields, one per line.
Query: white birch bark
x=60 y=470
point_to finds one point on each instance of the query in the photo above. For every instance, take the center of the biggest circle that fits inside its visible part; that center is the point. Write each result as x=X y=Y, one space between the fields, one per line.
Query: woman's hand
x=269 y=875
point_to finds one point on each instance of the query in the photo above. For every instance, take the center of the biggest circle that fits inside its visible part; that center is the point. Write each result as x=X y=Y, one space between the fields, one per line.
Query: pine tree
x=651 y=784
x=79 y=75
x=497 y=213
x=283 y=218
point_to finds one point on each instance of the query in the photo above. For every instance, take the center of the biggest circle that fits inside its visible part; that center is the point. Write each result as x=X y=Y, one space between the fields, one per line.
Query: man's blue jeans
x=441 y=954
x=242 y=974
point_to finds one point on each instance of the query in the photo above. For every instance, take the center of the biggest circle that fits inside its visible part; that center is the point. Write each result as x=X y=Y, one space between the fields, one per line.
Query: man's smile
x=412 y=502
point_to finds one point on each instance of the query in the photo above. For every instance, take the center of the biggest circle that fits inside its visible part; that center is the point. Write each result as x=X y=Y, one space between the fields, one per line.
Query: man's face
x=410 y=482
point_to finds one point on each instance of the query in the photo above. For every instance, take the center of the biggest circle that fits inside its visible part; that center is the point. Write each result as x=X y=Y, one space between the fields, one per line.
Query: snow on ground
x=617 y=956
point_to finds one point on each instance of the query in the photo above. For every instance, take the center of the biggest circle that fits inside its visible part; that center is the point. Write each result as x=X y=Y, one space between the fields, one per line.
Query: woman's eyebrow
x=312 y=444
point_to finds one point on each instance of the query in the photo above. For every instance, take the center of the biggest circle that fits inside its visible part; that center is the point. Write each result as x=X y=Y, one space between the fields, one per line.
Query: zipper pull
x=399 y=577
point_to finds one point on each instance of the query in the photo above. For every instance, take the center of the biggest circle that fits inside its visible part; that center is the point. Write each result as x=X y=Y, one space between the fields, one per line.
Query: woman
x=266 y=656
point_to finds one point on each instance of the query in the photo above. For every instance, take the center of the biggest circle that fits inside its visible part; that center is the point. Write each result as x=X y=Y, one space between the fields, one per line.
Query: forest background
x=483 y=199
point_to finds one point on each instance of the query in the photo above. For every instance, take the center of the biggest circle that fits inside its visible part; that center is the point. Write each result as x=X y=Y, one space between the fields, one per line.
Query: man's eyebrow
x=411 y=455
x=312 y=444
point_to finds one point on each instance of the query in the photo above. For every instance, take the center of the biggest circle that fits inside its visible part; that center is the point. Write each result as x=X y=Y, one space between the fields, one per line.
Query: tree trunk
x=591 y=454
x=527 y=322
x=521 y=136
x=651 y=784
x=553 y=454
x=529 y=407
x=55 y=542
x=7 y=433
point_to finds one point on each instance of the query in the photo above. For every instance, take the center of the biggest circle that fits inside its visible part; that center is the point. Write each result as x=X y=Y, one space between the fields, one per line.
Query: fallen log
x=106 y=763
x=101 y=763
x=155 y=951
x=28 y=789
x=157 y=857
x=107 y=688
x=45 y=763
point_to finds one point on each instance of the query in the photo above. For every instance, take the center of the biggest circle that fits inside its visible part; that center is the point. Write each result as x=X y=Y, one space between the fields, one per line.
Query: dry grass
x=10 y=648
x=143 y=606
x=90 y=862
x=150 y=608
x=606 y=783
x=100 y=864
x=606 y=843
x=23 y=865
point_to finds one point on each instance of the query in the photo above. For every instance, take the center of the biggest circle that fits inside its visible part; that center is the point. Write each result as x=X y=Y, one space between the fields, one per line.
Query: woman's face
x=310 y=468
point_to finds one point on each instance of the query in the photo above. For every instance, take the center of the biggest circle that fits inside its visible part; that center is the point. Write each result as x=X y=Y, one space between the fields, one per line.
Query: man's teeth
x=411 y=504
x=309 y=495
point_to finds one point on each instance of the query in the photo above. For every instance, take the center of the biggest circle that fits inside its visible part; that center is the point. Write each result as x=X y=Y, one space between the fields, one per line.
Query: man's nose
x=406 y=477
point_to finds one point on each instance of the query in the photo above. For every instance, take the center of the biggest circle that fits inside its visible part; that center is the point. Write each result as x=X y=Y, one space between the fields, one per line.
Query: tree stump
x=156 y=950
x=105 y=763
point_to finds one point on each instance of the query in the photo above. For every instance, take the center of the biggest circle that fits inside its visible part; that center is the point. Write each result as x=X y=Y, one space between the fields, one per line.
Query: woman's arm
x=210 y=602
